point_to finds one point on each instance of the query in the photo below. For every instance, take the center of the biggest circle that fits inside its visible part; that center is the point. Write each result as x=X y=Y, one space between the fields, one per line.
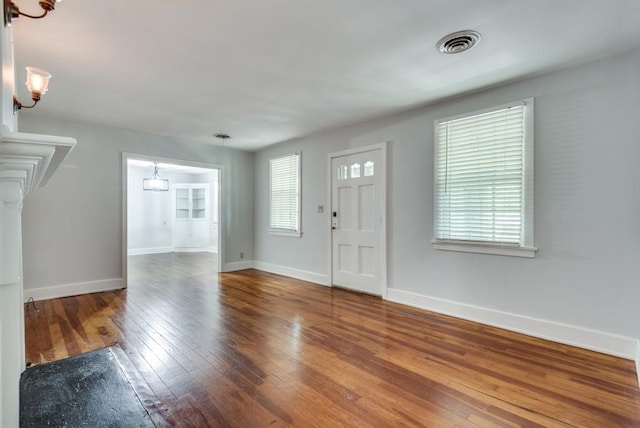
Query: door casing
x=221 y=198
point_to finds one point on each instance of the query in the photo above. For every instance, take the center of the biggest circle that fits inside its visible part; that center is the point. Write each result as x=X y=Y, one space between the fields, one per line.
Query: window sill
x=500 y=250
x=289 y=233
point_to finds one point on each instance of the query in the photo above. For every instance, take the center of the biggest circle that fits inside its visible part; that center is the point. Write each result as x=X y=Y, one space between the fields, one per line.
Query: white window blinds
x=284 y=208
x=483 y=178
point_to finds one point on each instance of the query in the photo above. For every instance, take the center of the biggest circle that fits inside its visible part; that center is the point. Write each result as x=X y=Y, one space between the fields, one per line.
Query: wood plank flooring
x=252 y=349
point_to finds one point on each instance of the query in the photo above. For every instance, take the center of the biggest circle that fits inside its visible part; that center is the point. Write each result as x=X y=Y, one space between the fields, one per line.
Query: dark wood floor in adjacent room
x=252 y=349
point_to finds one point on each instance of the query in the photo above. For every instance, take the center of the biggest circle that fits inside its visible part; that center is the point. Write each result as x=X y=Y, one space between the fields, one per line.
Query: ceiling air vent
x=458 y=42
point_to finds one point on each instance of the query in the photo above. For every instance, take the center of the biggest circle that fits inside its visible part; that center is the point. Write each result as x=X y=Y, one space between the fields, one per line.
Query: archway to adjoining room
x=171 y=220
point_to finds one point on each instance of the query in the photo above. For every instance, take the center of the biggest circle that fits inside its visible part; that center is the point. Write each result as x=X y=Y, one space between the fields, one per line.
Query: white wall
x=587 y=204
x=73 y=227
x=9 y=120
x=148 y=213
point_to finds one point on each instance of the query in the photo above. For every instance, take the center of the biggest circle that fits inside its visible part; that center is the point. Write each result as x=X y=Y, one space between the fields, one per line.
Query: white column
x=11 y=307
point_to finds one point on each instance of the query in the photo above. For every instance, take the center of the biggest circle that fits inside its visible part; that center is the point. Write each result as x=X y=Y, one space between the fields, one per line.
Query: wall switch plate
x=320 y=209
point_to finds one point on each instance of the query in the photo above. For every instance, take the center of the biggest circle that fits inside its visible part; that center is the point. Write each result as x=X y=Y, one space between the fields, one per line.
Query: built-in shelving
x=191 y=201
x=190 y=231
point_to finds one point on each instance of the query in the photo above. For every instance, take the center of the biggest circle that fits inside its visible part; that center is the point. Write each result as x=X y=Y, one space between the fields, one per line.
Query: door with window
x=358 y=220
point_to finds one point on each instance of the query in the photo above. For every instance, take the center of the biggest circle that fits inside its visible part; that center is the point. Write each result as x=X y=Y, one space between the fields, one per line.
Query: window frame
x=296 y=233
x=526 y=246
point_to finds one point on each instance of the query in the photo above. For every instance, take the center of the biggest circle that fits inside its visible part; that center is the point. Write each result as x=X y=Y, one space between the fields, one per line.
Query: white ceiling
x=269 y=71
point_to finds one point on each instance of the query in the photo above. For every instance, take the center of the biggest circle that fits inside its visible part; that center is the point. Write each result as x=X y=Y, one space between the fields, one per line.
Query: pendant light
x=155 y=183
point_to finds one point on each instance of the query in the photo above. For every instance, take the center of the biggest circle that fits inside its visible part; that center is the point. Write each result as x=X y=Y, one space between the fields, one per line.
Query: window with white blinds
x=284 y=191
x=484 y=179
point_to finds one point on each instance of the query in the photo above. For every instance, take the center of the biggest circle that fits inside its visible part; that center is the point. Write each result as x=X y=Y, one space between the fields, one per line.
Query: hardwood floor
x=252 y=349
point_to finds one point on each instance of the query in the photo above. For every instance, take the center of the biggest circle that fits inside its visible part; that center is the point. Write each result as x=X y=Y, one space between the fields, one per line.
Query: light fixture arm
x=17 y=105
x=12 y=11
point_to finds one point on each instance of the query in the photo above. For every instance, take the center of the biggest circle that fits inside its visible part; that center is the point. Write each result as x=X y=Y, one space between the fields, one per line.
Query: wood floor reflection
x=252 y=349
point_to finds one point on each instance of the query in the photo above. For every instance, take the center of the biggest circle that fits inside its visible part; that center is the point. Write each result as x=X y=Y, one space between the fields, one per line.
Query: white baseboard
x=74 y=289
x=607 y=343
x=159 y=250
x=234 y=266
x=316 y=278
x=142 y=251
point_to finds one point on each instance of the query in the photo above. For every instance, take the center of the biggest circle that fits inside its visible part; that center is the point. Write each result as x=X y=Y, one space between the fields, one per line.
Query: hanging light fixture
x=155 y=183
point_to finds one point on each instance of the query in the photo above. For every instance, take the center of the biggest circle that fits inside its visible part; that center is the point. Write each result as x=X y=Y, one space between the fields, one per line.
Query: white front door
x=357 y=221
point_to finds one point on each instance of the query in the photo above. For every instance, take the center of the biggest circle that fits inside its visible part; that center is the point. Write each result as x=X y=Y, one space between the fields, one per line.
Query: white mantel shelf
x=32 y=157
x=27 y=161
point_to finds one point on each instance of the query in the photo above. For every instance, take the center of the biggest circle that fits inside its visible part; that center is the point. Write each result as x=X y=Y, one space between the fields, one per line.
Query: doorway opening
x=171 y=219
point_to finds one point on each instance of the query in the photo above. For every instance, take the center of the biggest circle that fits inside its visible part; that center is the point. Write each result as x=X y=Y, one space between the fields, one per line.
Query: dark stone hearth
x=88 y=390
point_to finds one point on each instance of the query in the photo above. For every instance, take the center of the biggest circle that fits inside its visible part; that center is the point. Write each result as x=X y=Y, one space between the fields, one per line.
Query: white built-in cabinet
x=190 y=206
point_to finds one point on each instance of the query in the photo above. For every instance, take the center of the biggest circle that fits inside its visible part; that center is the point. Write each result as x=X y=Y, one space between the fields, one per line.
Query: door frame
x=221 y=218
x=383 y=147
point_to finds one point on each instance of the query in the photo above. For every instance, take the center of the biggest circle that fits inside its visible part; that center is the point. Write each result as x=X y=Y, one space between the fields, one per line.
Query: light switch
x=320 y=209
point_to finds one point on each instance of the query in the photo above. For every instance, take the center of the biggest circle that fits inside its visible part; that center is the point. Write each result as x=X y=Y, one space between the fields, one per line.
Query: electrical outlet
x=242 y=255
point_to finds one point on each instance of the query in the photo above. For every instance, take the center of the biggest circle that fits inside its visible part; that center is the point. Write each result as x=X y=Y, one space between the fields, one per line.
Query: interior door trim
x=221 y=199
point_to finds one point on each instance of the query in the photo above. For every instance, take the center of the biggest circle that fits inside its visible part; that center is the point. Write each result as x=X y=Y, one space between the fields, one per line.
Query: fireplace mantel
x=35 y=157
x=27 y=161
